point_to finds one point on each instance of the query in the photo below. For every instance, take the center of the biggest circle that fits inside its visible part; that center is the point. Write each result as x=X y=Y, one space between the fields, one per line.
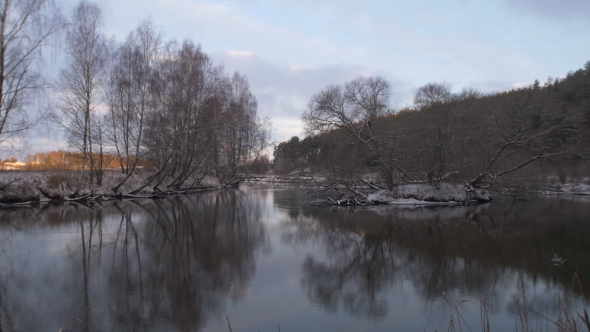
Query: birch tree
x=26 y=28
x=80 y=82
x=130 y=97
x=176 y=136
x=242 y=133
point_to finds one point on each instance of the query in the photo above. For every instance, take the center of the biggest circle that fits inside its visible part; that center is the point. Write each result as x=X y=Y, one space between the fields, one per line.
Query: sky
x=291 y=49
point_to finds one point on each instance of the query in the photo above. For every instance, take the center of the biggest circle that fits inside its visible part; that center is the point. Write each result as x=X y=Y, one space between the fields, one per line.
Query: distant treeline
x=507 y=139
x=68 y=160
x=72 y=161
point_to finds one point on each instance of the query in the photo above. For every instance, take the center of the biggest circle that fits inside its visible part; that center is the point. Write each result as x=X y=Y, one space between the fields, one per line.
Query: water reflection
x=473 y=252
x=176 y=264
x=138 y=265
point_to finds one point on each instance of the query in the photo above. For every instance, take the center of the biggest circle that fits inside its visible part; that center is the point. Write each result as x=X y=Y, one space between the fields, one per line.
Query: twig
x=6 y=185
x=228 y=324
x=57 y=321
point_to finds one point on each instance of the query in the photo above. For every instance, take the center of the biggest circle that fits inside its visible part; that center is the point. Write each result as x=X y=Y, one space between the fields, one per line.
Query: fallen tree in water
x=344 y=193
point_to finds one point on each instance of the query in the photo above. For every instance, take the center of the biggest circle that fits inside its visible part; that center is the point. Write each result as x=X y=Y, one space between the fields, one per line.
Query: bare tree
x=438 y=114
x=130 y=97
x=431 y=94
x=100 y=159
x=26 y=28
x=353 y=108
x=517 y=136
x=80 y=82
x=176 y=132
x=240 y=130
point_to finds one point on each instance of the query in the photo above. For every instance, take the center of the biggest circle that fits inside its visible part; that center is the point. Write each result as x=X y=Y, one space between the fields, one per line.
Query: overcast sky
x=290 y=49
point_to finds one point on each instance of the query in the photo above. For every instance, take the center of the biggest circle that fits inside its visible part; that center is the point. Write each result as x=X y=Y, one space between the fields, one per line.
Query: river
x=262 y=259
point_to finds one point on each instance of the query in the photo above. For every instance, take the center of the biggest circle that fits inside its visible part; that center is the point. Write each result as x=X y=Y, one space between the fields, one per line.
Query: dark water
x=262 y=257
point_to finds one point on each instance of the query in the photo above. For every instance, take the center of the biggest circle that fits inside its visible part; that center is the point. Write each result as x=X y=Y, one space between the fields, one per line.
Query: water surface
x=262 y=257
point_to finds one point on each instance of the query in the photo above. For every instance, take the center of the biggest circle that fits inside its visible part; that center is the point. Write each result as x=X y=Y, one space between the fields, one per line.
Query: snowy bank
x=422 y=194
x=31 y=187
x=282 y=179
x=571 y=188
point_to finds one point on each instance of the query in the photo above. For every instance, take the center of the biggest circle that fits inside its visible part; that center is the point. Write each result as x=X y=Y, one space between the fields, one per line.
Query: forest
x=512 y=141
x=162 y=105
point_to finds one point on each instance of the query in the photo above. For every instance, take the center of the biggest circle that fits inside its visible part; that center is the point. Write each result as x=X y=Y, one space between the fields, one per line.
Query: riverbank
x=422 y=194
x=273 y=178
x=581 y=187
x=33 y=187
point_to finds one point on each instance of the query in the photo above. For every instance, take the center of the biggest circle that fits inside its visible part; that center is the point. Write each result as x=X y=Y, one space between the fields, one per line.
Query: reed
x=567 y=318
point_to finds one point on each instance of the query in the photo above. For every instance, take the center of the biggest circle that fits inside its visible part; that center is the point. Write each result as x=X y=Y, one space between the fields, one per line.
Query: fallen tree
x=64 y=186
x=343 y=193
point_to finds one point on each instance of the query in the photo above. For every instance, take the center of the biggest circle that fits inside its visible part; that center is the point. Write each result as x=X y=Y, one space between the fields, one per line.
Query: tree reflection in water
x=472 y=252
x=146 y=265
x=175 y=264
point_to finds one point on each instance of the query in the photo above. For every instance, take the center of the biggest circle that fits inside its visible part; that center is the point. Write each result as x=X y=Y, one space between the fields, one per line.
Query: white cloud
x=239 y=54
x=283 y=128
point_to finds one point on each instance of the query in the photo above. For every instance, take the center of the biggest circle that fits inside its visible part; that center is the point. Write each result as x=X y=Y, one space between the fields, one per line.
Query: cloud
x=283 y=91
x=239 y=54
x=557 y=10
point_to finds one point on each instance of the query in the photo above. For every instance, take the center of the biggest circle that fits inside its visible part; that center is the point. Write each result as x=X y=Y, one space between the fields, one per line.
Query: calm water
x=264 y=258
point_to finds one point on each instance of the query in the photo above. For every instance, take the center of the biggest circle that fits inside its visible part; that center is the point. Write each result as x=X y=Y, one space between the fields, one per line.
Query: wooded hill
x=511 y=139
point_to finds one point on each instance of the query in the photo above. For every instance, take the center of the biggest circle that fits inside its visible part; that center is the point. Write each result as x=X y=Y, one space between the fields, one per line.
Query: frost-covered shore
x=570 y=188
x=35 y=187
x=421 y=194
x=410 y=194
x=281 y=179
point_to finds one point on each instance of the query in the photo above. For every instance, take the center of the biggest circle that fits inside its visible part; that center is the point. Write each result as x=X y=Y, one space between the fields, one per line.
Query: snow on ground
x=446 y=192
x=283 y=179
x=421 y=194
x=576 y=188
x=23 y=186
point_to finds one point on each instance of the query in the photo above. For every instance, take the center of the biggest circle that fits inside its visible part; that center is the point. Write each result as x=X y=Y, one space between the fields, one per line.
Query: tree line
x=163 y=101
x=507 y=140
x=146 y=98
x=68 y=160
x=72 y=161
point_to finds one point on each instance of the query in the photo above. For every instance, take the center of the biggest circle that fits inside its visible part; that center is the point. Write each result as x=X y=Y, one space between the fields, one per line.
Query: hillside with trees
x=511 y=141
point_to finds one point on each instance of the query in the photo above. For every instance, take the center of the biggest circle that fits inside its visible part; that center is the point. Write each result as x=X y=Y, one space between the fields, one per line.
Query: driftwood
x=345 y=201
x=157 y=195
x=20 y=204
x=347 y=195
x=355 y=194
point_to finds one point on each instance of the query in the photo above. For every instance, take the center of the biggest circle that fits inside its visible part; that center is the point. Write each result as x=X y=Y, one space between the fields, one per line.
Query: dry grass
x=568 y=317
